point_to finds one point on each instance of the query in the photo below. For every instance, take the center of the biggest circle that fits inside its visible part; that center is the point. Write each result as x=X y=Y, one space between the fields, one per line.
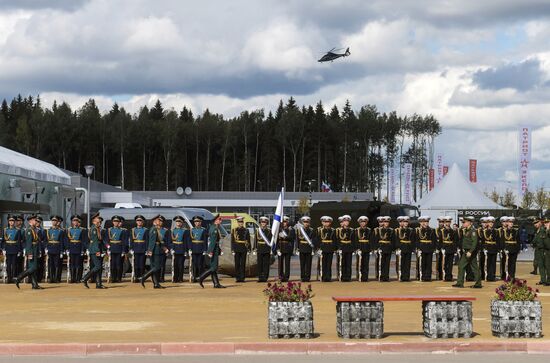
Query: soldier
x=364 y=247
x=197 y=246
x=116 y=241
x=490 y=244
x=404 y=242
x=157 y=246
x=306 y=242
x=12 y=246
x=346 y=247
x=285 y=249
x=178 y=248
x=511 y=247
x=438 y=254
x=240 y=248
x=480 y=253
x=383 y=238
x=75 y=248
x=547 y=250
x=55 y=241
x=502 y=253
x=32 y=252
x=540 y=244
x=21 y=256
x=469 y=242
x=214 y=250
x=139 y=237
x=263 y=249
x=40 y=274
x=95 y=252
x=448 y=245
x=327 y=247
x=426 y=246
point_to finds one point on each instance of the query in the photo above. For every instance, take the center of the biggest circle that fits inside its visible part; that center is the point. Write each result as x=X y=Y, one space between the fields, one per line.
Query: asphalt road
x=274 y=358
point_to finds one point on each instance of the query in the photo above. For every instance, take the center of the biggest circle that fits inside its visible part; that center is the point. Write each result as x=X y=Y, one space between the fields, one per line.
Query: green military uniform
x=469 y=242
x=156 y=249
x=540 y=243
x=32 y=253
x=214 y=251
x=547 y=255
x=95 y=254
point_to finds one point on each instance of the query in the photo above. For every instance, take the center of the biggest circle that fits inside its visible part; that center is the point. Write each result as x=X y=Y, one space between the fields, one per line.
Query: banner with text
x=408 y=183
x=473 y=171
x=431 y=179
x=391 y=184
x=524 y=142
x=438 y=168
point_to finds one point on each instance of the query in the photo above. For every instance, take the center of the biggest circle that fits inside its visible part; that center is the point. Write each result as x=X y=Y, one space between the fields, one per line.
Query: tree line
x=295 y=146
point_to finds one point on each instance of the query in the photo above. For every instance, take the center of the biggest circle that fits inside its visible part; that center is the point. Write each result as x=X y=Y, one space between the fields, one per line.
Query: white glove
x=296 y=253
x=398 y=252
x=418 y=253
x=340 y=252
x=468 y=254
x=61 y=255
x=172 y=252
x=319 y=253
x=282 y=235
x=255 y=253
x=67 y=252
x=437 y=251
x=359 y=253
x=132 y=252
x=279 y=253
x=233 y=253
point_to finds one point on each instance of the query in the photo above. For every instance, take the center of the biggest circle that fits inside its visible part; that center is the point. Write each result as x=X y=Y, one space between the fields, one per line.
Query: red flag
x=473 y=171
x=432 y=178
x=445 y=170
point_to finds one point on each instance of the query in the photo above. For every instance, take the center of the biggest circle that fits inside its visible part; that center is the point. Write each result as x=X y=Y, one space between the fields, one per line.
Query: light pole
x=89 y=170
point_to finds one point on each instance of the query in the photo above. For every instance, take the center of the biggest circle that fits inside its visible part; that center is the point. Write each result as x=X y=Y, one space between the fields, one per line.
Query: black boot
x=35 y=285
x=204 y=275
x=156 y=283
x=98 y=282
x=20 y=278
x=216 y=281
x=145 y=277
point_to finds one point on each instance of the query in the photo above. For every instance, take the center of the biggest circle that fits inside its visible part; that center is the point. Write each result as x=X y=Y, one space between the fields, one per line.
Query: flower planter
x=360 y=319
x=516 y=319
x=442 y=319
x=290 y=320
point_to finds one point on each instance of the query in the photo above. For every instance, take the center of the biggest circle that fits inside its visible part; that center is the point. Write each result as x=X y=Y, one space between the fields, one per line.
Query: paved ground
x=186 y=313
x=411 y=358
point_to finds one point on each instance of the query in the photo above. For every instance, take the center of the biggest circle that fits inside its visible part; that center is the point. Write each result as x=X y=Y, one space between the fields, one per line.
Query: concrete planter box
x=447 y=319
x=360 y=319
x=517 y=319
x=290 y=320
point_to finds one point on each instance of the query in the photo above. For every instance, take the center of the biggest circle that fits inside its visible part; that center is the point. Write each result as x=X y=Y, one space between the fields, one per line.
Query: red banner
x=473 y=171
x=445 y=170
x=432 y=179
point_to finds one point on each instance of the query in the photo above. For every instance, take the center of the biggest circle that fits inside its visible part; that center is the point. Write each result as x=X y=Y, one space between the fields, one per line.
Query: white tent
x=14 y=163
x=452 y=193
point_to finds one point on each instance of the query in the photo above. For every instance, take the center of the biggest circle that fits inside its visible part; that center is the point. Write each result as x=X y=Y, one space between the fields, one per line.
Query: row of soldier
x=475 y=250
x=117 y=243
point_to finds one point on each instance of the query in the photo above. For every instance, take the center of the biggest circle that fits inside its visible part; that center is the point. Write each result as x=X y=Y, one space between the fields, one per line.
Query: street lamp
x=89 y=170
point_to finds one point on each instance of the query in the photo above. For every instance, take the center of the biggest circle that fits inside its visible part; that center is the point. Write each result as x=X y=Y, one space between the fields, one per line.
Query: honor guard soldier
x=511 y=248
x=327 y=247
x=42 y=260
x=448 y=245
x=306 y=242
x=346 y=248
x=213 y=252
x=438 y=254
x=404 y=241
x=32 y=254
x=426 y=246
x=540 y=243
x=263 y=249
x=469 y=242
x=75 y=248
x=197 y=247
x=54 y=248
x=20 y=257
x=96 y=251
x=490 y=245
x=364 y=247
x=178 y=248
x=157 y=247
x=285 y=248
x=480 y=253
x=116 y=241
x=383 y=239
x=139 y=237
x=547 y=250
x=240 y=248
x=12 y=247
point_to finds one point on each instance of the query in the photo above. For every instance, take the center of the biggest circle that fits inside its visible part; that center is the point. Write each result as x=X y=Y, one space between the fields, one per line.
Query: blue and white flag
x=277 y=218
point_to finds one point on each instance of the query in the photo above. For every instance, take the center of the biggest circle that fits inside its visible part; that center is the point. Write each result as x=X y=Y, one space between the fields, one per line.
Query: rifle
x=358 y=265
x=379 y=264
x=25 y=265
x=47 y=268
x=419 y=255
x=443 y=262
x=320 y=266
x=87 y=265
x=506 y=265
x=191 y=274
x=133 y=262
x=339 y=265
x=68 y=267
x=109 y=266
x=4 y=267
x=485 y=265
x=173 y=264
x=398 y=264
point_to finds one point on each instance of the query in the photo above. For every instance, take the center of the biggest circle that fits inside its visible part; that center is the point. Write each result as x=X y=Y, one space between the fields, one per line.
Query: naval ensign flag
x=277 y=218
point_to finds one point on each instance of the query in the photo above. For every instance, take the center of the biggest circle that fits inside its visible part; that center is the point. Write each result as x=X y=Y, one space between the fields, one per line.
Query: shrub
x=290 y=292
x=516 y=290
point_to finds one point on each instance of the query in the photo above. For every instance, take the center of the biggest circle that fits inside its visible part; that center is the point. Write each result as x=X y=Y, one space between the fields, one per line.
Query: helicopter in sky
x=333 y=54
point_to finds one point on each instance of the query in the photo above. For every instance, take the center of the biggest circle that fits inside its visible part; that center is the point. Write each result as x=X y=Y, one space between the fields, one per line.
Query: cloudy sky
x=481 y=67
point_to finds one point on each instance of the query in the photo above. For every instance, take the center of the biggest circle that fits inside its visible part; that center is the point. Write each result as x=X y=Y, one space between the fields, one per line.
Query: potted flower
x=290 y=312
x=515 y=311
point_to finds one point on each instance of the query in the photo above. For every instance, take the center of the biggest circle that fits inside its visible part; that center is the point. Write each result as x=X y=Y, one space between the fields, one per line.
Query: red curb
x=123 y=348
x=424 y=347
x=493 y=347
x=283 y=347
x=538 y=347
x=43 y=349
x=197 y=348
x=343 y=347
